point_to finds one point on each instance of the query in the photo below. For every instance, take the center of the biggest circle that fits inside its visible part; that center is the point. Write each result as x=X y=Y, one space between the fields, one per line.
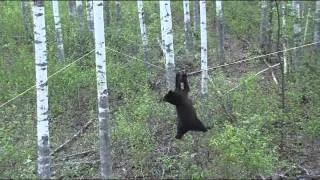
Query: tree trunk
x=284 y=36
x=297 y=53
x=187 y=29
x=90 y=15
x=220 y=31
x=79 y=8
x=106 y=12
x=144 y=36
x=266 y=28
x=72 y=8
x=203 y=33
x=102 y=91
x=196 y=16
x=57 y=24
x=27 y=19
x=42 y=90
x=317 y=26
x=167 y=35
x=118 y=11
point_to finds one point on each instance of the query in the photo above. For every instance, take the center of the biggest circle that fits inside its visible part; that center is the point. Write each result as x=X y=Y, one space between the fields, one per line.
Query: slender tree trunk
x=72 y=8
x=118 y=11
x=266 y=28
x=284 y=36
x=27 y=18
x=306 y=26
x=106 y=12
x=196 y=16
x=57 y=23
x=102 y=91
x=42 y=90
x=90 y=15
x=80 y=14
x=144 y=35
x=187 y=29
x=297 y=53
x=203 y=33
x=317 y=27
x=220 y=31
x=167 y=35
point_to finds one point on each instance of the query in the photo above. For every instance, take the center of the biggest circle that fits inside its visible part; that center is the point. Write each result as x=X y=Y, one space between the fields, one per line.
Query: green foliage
x=243 y=152
x=143 y=128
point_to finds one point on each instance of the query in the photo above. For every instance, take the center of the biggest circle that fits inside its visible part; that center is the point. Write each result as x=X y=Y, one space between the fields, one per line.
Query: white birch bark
x=42 y=90
x=143 y=31
x=284 y=36
x=317 y=26
x=220 y=31
x=167 y=35
x=57 y=24
x=90 y=15
x=203 y=35
x=79 y=9
x=196 y=17
x=102 y=90
x=306 y=26
x=297 y=58
x=187 y=27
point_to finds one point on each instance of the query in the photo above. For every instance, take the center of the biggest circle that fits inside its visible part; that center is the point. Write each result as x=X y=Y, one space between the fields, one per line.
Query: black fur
x=187 y=117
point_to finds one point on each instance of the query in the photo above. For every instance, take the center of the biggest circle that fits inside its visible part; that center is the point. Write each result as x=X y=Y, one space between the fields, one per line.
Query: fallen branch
x=272 y=73
x=81 y=154
x=73 y=138
x=253 y=76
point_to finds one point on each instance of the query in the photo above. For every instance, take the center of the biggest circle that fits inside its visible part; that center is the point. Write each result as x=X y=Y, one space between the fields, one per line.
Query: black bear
x=187 y=117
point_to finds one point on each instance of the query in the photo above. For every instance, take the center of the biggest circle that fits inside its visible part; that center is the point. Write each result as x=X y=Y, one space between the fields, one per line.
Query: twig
x=76 y=163
x=272 y=73
x=73 y=138
x=84 y=153
x=253 y=76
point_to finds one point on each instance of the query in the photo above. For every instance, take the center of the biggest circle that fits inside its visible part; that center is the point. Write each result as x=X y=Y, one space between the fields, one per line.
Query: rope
x=22 y=93
x=260 y=56
x=132 y=57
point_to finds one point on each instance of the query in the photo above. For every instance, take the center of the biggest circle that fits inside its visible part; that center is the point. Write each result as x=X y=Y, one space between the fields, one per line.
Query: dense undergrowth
x=251 y=134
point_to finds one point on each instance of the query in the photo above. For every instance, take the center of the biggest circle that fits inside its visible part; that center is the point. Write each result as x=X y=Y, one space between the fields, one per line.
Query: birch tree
x=167 y=39
x=57 y=24
x=266 y=27
x=203 y=35
x=297 y=53
x=266 y=33
x=79 y=10
x=90 y=15
x=187 y=28
x=196 y=17
x=102 y=90
x=284 y=35
x=143 y=31
x=27 y=18
x=118 y=11
x=42 y=90
x=317 y=26
x=106 y=12
x=306 y=26
x=220 y=31
x=72 y=8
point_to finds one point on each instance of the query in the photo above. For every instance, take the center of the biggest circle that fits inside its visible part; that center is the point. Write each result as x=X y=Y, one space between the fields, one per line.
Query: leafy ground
x=251 y=136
